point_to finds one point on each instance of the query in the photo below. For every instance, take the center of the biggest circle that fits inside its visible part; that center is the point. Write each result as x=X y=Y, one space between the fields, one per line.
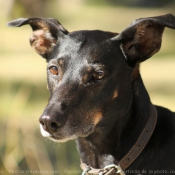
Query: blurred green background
x=23 y=92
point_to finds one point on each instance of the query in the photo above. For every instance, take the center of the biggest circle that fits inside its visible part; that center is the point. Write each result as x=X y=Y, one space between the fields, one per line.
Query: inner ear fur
x=143 y=37
x=46 y=32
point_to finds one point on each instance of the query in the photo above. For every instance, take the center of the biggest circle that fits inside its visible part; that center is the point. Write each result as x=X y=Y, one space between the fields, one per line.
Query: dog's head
x=91 y=73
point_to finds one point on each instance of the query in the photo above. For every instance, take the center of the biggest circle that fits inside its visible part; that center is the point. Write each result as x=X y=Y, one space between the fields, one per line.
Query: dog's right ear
x=46 y=33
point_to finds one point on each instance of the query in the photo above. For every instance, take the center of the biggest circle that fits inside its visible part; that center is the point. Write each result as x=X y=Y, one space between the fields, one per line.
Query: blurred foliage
x=133 y=3
x=28 y=8
x=22 y=148
x=23 y=93
x=144 y=3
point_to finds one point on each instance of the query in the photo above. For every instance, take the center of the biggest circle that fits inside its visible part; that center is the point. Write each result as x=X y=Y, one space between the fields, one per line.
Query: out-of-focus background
x=23 y=92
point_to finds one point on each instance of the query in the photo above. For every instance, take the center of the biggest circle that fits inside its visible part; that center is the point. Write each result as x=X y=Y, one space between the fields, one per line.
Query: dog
x=98 y=98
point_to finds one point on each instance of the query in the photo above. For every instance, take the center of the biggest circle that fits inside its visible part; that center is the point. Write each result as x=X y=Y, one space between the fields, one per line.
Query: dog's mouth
x=59 y=139
x=66 y=135
x=52 y=136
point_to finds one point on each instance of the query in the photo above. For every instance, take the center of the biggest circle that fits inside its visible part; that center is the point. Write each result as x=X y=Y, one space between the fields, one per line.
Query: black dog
x=99 y=99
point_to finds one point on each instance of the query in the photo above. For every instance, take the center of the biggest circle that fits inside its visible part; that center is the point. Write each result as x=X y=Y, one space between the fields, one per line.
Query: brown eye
x=53 y=70
x=99 y=75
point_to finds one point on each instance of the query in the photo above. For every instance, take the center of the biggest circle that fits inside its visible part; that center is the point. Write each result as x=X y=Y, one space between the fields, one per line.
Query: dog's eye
x=99 y=75
x=53 y=70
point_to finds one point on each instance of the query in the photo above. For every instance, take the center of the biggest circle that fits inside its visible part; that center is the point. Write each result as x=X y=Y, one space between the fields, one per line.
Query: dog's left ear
x=46 y=33
x=143 y=37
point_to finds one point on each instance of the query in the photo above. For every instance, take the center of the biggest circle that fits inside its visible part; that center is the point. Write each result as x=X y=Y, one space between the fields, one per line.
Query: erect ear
x=143 y=37
x=46 y=32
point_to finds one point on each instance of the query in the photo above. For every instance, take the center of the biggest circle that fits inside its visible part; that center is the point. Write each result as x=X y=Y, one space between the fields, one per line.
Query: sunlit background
x=23 y=92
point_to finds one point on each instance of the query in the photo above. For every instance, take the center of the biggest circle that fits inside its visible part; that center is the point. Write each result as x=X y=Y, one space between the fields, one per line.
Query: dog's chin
x=65 y=138
x=56 y=139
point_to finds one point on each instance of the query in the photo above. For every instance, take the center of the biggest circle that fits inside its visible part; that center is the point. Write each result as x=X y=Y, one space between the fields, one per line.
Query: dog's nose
x=50 y=125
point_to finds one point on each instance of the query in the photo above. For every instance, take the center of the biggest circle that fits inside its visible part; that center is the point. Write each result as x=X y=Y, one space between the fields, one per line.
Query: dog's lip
x=51 y=136
x=44 y=133
x=64 y=136
x=55 y=137
x=62 y=139
x=48 y=134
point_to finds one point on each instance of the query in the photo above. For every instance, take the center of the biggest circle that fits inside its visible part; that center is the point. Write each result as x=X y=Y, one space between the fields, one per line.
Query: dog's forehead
x=80 y=45
x=92 y=35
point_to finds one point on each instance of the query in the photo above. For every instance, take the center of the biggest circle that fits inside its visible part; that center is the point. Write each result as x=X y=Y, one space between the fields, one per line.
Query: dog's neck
x=105 y=147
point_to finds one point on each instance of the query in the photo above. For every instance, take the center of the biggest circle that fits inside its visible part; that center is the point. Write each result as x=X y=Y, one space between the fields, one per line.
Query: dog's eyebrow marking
x=84 y=78
x=61 y=62
x=123 y=52
x=89 y=68
x=115 y=94
x=97 y=117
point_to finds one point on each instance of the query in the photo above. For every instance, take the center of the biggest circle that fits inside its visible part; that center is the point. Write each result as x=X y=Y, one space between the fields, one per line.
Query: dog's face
x=84 y=77
x=91 y=73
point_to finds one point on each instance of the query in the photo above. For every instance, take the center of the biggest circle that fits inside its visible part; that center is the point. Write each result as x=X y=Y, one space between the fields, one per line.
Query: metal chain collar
x=107 y=170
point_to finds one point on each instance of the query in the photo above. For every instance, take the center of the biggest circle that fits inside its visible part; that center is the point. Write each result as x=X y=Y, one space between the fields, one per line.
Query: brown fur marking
x=97 y=117
x=115 y=94
x=42 y=41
